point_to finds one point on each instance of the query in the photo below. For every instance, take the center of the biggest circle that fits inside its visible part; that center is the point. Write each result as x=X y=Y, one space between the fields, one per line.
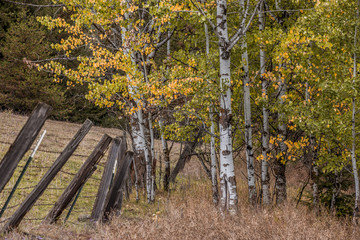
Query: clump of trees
x=278 y=77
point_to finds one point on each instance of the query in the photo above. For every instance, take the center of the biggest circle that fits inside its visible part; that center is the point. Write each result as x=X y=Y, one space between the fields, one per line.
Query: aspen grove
x=273 y=82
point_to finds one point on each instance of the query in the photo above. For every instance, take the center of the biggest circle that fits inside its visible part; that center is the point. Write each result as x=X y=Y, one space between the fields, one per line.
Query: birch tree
x=214 y=182
x=247 y=114
x=353 y=130
x=265 y=183
x=228 y=199
x=122 y=39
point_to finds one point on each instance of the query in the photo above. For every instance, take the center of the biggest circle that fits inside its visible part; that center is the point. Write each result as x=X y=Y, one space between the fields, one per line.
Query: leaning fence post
x=22 y=174
x=16 y=218
x=23 y=142
x=79 y=180
x=106 y=178
x=115 y=196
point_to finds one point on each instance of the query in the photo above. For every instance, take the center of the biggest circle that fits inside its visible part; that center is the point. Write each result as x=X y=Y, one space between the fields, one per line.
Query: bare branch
x=214 y=27
x=241 y=31
x=100 y=29
x=35 y=5
x=159 y=44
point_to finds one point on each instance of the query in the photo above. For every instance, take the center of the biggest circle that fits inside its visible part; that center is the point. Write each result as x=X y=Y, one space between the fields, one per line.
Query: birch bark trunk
x=214 y=182
x=229 y=199
x=138 y=127
x=165 y=150
x=153 y=159
x=353 y=148
x=247 y=116
x=265 y=179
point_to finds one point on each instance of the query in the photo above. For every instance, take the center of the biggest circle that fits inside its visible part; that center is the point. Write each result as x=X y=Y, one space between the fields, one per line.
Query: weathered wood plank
x=79 y=180
x=115 y=197
x=99 y=205
x=114 y=187
x=23 y=142
x=16 y=218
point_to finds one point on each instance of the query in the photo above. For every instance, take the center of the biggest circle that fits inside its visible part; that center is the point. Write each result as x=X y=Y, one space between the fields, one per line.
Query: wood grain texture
x=25 y=207
x=104 y=187
x=79 y=179
x=114 y=202
x=23 y=142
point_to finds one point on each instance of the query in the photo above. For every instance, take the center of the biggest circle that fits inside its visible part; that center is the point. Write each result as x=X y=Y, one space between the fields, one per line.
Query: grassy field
x=186 y=213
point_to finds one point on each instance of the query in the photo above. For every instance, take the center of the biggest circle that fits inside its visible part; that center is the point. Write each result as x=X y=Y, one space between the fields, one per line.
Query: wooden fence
x=109 y=195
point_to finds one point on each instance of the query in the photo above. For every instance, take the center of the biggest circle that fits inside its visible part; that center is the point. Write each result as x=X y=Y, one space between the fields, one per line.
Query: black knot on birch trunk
x=225 y=55
x=226 y=153
x=225 y=118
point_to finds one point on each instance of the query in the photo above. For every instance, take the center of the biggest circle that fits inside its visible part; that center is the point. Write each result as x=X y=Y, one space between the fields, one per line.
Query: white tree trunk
x=138 y=126
x=265 y=179
x=153 y=159
x=353 y=148
x=165 y=149
x=166 y=157
x=147 y=156
x=248 y=129
x=247 y=116
x=214 y=182
x=229 y=197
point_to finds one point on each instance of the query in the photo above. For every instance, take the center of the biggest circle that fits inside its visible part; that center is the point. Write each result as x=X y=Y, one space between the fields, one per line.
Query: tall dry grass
x=187 y=213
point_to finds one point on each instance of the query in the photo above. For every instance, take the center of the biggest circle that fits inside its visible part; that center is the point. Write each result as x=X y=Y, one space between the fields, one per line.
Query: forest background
x=284 y=85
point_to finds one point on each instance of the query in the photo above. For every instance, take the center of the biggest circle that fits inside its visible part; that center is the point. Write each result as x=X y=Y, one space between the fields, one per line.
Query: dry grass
x=57 y=137
x=188 y=213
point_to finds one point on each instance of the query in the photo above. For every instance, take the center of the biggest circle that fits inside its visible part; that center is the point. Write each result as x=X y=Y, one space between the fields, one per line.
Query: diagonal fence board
x=113 y=188
x=23 y=142
x=79 y=180
x=106 y=178
x=16 y=218
x=115 y=196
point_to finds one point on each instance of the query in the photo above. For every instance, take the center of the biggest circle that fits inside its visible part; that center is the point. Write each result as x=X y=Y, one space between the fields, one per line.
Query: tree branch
x=103 y=32
x=34 y=5
x=241 y=31
x=214 y=27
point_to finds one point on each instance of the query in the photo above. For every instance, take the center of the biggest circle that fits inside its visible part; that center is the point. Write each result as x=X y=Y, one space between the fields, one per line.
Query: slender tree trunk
x=265 y=179
x=353 y=148
x=138 y=126
x=160 y=170
x=165 y=150
x=136 y=181
x=335 y=190
x=214 y=182
x=248 y=130
x=147 y=157
x=314 y=171
x=280 y=163
x=153 y=159
x=229 y=199
x=247 y=116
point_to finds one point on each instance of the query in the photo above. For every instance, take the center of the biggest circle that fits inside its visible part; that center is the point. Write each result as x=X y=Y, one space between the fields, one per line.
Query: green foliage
x=22 y=85
x=24 y=43
x=334 y=192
